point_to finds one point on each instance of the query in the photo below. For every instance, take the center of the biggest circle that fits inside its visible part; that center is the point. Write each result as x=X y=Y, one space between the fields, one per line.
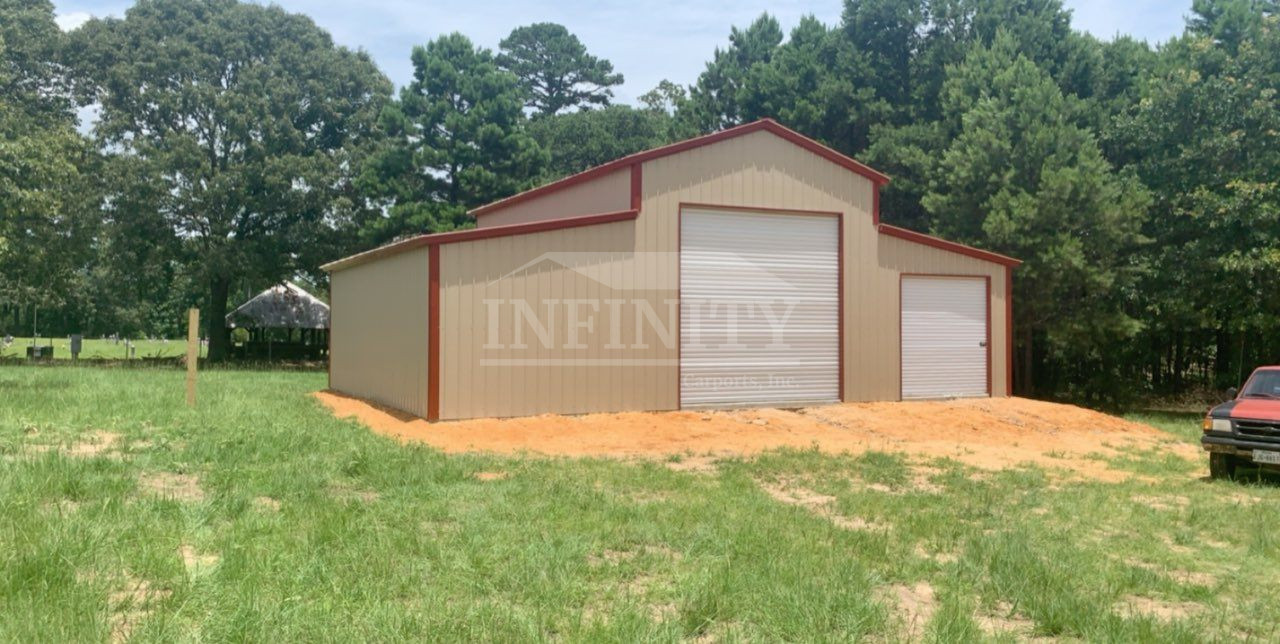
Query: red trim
x=961 y=249
x=680 y=208
x=433 y=333
x=1008 y=329
x=987 y=279
x=479 y=233
x=637 y=184
x=767 y=125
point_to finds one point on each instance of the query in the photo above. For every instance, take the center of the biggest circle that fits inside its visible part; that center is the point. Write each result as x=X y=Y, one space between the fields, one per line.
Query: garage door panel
x=784 y=270
x=944 y=337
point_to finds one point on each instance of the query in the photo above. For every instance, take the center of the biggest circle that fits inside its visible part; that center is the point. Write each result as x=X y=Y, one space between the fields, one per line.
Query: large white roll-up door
x=759 y=308
x=944 y=337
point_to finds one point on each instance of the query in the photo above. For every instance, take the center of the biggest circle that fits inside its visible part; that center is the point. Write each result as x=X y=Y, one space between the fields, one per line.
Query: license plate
x=1270 y=458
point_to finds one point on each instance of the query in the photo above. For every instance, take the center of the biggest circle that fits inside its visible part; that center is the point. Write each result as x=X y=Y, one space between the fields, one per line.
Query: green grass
x=372 y=540
x=99 y=349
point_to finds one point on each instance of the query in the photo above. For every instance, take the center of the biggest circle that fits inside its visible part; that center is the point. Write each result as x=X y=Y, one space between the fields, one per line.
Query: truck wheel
x=1222 y=466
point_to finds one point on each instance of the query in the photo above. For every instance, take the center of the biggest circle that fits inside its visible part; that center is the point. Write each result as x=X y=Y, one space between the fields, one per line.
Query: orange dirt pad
x=990 y=433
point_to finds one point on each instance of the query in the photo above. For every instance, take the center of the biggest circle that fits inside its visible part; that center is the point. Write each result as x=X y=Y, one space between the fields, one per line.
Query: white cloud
x=72 y=20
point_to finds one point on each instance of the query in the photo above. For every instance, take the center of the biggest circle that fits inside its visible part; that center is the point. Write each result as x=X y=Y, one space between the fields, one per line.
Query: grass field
x=260 y=517
x=99 y=349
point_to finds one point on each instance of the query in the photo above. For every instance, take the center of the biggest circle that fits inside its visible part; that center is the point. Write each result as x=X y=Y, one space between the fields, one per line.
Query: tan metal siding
x=378 y=339
x=763 y=171
x=639 y=260
x=610 y=193
x=595 y=263
x=899 y=256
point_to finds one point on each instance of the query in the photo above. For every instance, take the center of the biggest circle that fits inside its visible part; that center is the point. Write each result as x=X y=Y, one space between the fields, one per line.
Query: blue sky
x=646 y=41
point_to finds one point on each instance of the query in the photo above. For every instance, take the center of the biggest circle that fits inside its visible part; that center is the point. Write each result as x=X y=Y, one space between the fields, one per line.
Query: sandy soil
x=985 y=433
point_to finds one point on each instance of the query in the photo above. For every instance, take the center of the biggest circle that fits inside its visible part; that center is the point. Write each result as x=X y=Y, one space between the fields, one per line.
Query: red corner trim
x=767 y=125
x=637 y=185
x=478 y=233
x=1008 y=329
x=936 y=242
x=433 y=333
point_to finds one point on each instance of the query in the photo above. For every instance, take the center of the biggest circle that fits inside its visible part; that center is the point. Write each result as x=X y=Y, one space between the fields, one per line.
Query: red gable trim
x=936 y=242
x=478 y=233
x=767 y=125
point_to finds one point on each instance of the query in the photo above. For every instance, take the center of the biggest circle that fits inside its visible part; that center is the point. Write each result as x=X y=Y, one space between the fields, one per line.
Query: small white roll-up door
x=944 y=337
x=759 y=308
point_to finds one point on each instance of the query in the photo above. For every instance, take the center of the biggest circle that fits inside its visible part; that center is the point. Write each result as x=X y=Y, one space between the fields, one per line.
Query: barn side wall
x=378 y=337
x=487 y=370
x=610 y=193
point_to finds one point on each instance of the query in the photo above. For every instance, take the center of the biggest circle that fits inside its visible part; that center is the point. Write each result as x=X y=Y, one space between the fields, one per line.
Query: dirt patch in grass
x=266 y=504
x=95 y=444
x=913 y=606
x=703 y=464
x=819 y=504
x=490 y=476
x=182 y=487
x=989 y=433
x=130 y=600
x=348 y=492
x=1166 y=503
x=197 y=563
x=1003 y=621
x=1133 y=606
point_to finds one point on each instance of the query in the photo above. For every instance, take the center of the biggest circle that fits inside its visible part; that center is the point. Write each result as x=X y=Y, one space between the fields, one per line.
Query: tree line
x=234 y=145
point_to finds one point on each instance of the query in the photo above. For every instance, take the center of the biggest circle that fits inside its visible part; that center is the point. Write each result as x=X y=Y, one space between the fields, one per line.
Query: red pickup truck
x=1246 y=429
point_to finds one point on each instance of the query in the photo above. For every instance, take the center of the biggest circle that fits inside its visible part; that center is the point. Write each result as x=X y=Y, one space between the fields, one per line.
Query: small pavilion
x=283 y=322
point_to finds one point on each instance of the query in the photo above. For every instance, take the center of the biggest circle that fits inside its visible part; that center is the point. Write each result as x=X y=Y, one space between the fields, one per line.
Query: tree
x=46 y=218
x=714 y=103
x=555 y=70
x=582 y=140
x=1230 y=22
x=817 y=84
x=1020 y=178
x=456 y=141
x=248 y=117
x=1204 y=137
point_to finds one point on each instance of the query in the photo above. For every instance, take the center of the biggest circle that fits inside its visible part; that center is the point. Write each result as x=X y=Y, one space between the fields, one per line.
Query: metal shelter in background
x=284 y=322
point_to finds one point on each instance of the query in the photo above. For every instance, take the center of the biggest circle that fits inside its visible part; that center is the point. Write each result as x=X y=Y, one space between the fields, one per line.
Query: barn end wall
x=378 y=338
x=482 y=375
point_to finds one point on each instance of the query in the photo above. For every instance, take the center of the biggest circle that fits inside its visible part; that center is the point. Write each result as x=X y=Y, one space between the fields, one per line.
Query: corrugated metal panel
x=378 y=336
x=944 y=337
x=487 y=373
x=759 y=316
x=609 y=193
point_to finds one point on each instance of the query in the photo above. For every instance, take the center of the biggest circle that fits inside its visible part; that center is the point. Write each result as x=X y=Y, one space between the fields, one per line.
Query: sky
x=646 y=41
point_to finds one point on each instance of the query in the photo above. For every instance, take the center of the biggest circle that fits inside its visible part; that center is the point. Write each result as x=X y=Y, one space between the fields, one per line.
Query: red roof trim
x=767 y=125
x=478 y=233
x=936 y=242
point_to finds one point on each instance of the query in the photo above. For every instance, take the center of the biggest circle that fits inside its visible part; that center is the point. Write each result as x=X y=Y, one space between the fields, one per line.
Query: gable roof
x=765 y=125
x=283 y=306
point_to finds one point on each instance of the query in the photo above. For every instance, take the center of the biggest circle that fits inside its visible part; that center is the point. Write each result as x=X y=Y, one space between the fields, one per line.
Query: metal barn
x=742 y=268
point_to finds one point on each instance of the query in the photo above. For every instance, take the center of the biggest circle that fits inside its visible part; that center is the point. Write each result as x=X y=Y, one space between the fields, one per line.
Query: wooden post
x=193 y=353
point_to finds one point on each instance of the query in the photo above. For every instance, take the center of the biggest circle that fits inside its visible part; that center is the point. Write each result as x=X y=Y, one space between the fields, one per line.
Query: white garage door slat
x=944 y=335
x=762 y=265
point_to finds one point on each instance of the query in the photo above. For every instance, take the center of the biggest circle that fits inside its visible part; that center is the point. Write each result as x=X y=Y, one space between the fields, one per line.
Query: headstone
x=76 y=341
